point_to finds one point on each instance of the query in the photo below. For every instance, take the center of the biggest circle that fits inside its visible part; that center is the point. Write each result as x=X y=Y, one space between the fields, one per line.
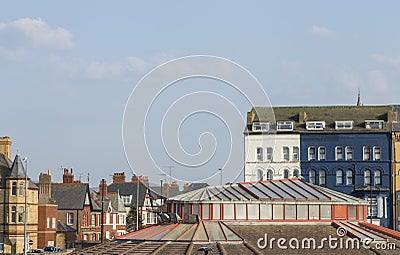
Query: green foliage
x=131 y=219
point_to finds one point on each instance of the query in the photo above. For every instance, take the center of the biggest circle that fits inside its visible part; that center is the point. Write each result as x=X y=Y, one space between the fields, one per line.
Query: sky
x=68 y=70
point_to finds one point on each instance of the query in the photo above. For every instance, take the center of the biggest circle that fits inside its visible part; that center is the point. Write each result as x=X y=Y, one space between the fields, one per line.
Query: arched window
x=339 y=177
x=322 y=177
x=349 y=177
x=286 y=173
x=13 y=214
x=260 y=174
x=21 y=189
x=296 y=173
x=269 y=175
x=377 y=177
x=312 y=176
x=367 y=177
x=14 y=189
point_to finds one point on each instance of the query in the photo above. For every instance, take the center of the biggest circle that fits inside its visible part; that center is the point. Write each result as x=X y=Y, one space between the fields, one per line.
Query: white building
x=272 y=148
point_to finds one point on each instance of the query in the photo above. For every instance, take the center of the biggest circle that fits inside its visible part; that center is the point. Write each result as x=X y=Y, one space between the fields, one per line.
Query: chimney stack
x=103 y=188
x=119 y=177
x=44 y=188
x=68 y=177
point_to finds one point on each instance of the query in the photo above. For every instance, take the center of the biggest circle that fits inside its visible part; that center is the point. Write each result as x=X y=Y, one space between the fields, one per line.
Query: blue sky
x=68 y=68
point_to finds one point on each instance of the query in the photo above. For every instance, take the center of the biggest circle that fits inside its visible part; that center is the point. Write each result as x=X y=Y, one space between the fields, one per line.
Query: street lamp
x=26 y=194
x=220 y=180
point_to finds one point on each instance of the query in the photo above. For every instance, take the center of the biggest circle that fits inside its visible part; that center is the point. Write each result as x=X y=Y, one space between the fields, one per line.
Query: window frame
x=322 y=177
x=321 y=156
x=13 y=214
x=286 y=173
x=284 y=125
x=339 y=176
x=296 y=153
x=377 y=177
x=374 y=124
x=344 y=124
x=13 y=188
x=367 y=177
x=270 y=174
x=341 y=152
x=349 y=177
x=285 y=153
x=348 y=151
x=70 y=218
x=374 y=153
x=313 y=176
x=260 y=154
x=270 y=153
x=21 y=189
x=315 y=125
x=311 y=148
x=260 y=126
x=366 y=152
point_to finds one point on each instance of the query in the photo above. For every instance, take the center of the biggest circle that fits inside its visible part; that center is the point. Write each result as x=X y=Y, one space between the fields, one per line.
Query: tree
x=131 y=219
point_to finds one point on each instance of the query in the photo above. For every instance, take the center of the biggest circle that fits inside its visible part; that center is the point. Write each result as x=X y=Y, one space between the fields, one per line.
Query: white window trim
x=336 y=152
x=345 y=153
x=315 y=125
x=374 y=154
x=369 y=122
x=344 y=124
x=364 y=158
x=283 y=153
x=264 y=126
x=319 y=154
x=259 y=156
x=271 y=155
x=309 y=148
x=280 y=124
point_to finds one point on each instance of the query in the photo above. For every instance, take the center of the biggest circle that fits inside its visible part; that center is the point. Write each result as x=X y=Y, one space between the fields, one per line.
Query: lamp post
x=26 y=194
x=162 y=200
x=220 y=177
x=137 y=203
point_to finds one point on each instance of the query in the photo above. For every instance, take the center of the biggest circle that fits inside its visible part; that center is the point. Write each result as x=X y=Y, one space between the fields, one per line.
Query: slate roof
x=129 y=188
x=329 y=114
x=17 y=168
x=62 y=227
x=69 y=196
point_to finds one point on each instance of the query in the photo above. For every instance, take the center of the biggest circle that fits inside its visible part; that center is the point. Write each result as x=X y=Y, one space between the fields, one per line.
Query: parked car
x=52 y=249
x=37 y=251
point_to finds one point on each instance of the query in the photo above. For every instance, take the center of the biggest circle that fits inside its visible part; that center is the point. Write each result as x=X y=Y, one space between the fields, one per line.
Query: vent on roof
x=284 y=125
x=260 y=126
x=315 y=125
x=344 y=124
x=374 y=124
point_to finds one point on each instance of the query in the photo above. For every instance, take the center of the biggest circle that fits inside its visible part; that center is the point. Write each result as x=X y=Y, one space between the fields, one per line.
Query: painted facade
x=358 y=164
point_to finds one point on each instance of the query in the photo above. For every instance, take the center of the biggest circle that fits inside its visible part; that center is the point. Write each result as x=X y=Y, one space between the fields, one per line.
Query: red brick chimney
x=119 y=177
x=68 y=177
x=103 y=188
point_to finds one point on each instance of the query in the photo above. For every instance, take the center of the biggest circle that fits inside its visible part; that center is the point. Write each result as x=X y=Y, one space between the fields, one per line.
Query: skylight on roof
x=374 y=124
x=260 y=126
x=284 y=125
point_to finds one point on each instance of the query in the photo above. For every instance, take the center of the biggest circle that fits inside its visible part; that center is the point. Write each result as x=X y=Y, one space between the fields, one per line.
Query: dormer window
x=260 y=126
x=344 y=124
x=315 y=125
x=374 y=124
x=284 y=125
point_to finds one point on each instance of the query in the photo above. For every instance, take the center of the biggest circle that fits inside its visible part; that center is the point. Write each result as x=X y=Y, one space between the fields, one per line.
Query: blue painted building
x=356 y=163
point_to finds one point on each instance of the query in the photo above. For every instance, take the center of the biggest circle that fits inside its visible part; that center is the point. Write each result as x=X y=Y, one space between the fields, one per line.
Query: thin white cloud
x=389 y=60
x=38 y=32
x=102 y=70
x=322 y=31
x=13 y=55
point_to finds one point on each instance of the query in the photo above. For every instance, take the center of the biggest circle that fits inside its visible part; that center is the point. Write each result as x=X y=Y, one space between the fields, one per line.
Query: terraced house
x=344 y=148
